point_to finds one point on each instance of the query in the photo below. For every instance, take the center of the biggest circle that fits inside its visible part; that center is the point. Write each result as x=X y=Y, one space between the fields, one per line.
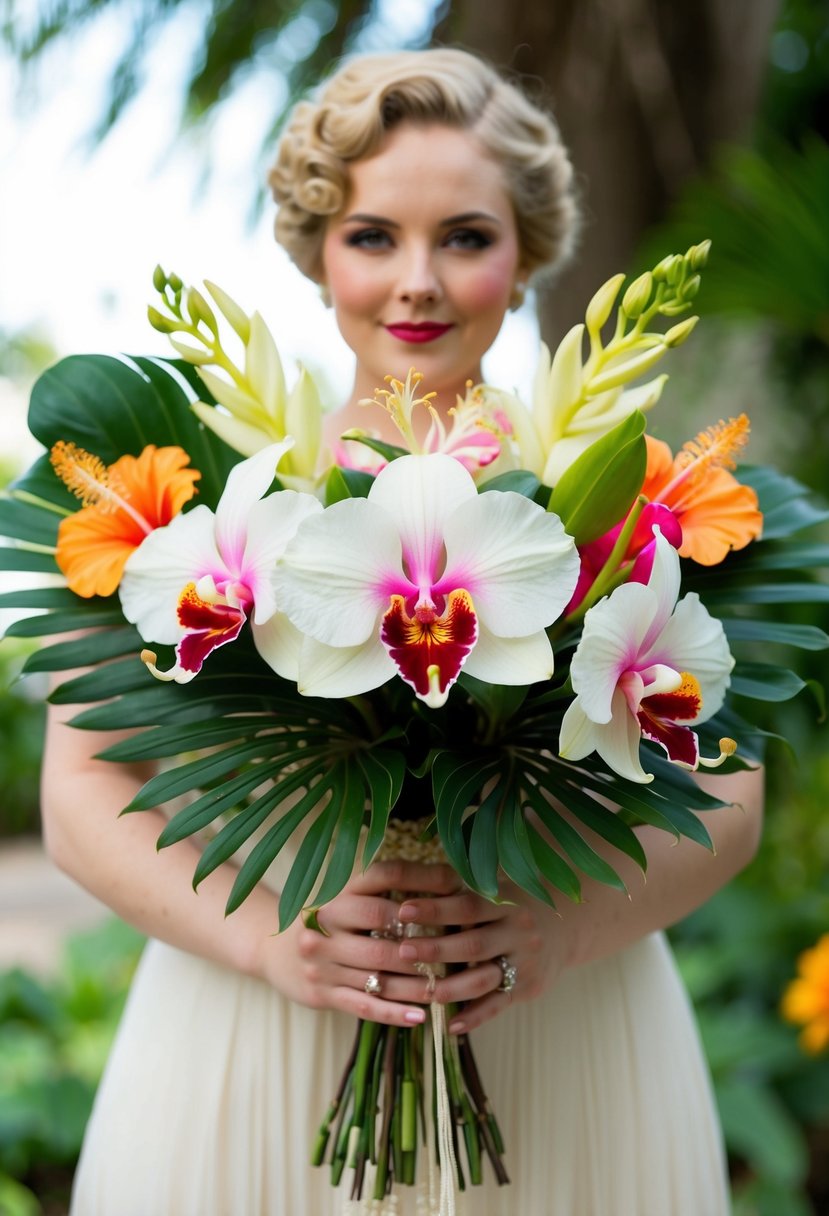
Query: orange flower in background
x=806 y=1000
x=716 y=513
x=122 y=505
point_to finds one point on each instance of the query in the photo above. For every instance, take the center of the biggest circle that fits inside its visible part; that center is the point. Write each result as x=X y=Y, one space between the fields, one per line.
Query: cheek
x=490 y=286
x=351 y=285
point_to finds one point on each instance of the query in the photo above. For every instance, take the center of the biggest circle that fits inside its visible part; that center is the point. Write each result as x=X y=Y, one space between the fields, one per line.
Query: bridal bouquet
x=523 y=634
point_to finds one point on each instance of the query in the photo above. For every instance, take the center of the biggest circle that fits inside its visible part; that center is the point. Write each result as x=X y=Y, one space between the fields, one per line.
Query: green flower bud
x=674 y=307
x=601 y=305
x=158 y=321
x=690 y=287
x=697 y=255
x=677 y=334
x=200 y=310
x=676 y=270
x=175 y=282
x=660 y=270
x=635 y=299
x=159 y=279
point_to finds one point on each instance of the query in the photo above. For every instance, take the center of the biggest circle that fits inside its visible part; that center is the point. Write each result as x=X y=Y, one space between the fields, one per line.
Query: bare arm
x=116 y=860
x=541 y=943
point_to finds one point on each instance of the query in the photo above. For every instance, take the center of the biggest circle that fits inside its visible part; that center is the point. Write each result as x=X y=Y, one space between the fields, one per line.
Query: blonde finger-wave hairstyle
x=370 y=95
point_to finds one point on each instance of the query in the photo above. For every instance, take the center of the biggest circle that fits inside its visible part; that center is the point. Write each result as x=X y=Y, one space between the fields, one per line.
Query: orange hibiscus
x=716 y=513
x=122 y=505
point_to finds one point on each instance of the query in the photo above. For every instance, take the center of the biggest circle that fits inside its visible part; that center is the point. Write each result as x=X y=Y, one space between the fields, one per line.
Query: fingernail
x=414 y=1016
x=408 y=952
x=456 y=1027
x=408 y=912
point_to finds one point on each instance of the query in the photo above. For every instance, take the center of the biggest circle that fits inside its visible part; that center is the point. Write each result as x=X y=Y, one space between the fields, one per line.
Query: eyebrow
x=383 y=222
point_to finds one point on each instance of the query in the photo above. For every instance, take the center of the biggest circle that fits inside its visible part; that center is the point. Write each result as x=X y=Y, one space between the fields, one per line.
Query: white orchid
x=195 y=582
x=646 y=667
x=425 y=577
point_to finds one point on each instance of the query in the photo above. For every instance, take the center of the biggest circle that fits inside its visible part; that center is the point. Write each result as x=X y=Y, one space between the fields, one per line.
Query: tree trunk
x=643 y=91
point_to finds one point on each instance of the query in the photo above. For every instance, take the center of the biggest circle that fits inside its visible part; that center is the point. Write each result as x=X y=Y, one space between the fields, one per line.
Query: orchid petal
x=664 y=585
x=337 y=573
x=522 y=578
x=610 y=640
x=617 y=741
x=697 y=643
x=430 y=654
x=343 y=671
x=236 y=434
x=279 y=643
x=499 y=660
x=160 y=567
x=246 y=484
x=272 y=523
x=420 y=494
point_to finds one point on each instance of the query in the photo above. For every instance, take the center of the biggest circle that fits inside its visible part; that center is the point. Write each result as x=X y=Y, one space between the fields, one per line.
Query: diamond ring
x=373 y=986
x=509 y=974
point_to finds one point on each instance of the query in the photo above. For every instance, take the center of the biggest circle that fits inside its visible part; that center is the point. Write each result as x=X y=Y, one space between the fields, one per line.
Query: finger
x=465 y=908
x=375 y=1009
x=384 y=876
x=468 y=986
x=478 y=945
x=354 y=913
x=478 y=1012
x=353 y=950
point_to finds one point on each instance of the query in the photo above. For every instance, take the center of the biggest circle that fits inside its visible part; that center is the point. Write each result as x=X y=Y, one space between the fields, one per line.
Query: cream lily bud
x=230 y=310
x=666 y=270
x=241 y=404
x=175 y=282
x=629 y=370
x=677 y=334
x=303 y=421
x=191 y=354
x=158 y=321
x=600 y=307
x=697 y=255
x=690 y=287
x=564 y=386
x=635 y=299
x=159 y=279
x=240 y=436
x=676 y=269
x=263 y=369
x=200 y=310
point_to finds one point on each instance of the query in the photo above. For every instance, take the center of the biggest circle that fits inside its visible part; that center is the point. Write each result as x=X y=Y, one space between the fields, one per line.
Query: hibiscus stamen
x=714 y=448
x=89 y=480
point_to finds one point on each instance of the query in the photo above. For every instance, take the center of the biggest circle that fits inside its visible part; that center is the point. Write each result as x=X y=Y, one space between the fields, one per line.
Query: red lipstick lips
x=418 y=331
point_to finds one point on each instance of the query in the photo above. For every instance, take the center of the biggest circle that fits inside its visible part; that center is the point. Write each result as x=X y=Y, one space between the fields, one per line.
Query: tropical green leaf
x=514 y=850
x=599 y=487
x=81 y=652
x=767 y=593
x=581 y=854
x=310 y=857
x=384 y=771
x=199 y=814
x=605 y=823
x=763 y=682
x=20 y=558
x=519 y=481
x=389 y=451
x=191 y=776
x=48 y=624
x=348 y=801
x=553 y=866
x=803 y=637
x=483 y=847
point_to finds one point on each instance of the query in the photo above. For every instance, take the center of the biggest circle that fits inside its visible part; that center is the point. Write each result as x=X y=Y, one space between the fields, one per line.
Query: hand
x=528 y=933
x=329 y=969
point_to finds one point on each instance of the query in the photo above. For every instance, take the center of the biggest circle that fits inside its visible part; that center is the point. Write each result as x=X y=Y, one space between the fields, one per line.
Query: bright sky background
x=80 y=234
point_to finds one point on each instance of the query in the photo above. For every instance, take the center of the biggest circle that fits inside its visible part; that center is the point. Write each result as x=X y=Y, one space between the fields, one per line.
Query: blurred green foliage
x=22 y=721
x=54 y=1039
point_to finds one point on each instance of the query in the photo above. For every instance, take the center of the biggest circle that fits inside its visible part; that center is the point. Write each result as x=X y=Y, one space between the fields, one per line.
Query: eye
x=468 y=238
x=369 y=238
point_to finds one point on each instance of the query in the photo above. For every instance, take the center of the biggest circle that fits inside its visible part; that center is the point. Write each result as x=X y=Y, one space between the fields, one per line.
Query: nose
x=419 y=280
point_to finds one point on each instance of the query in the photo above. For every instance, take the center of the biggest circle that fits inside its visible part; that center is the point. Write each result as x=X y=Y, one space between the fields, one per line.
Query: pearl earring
x=519 y=290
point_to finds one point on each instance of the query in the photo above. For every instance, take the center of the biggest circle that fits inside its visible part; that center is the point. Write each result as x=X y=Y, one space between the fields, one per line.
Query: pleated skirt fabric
x=216 y=1086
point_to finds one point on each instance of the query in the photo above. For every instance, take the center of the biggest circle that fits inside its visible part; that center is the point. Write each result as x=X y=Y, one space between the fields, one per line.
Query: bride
x=422 y=192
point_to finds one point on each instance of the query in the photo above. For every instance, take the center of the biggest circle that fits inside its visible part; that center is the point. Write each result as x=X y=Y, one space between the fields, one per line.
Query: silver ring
x=509 y=974
x=373 y=986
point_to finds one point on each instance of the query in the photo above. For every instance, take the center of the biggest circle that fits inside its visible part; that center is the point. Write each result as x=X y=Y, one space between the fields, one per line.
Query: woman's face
x=422 y=260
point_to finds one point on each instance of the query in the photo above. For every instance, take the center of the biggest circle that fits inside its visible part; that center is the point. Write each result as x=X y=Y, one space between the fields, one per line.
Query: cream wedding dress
x=216 y=1086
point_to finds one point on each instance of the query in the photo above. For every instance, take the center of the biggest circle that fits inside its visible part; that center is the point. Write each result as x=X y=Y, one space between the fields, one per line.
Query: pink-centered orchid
x=647 y=667
x=195 y=582
x=423 y=578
